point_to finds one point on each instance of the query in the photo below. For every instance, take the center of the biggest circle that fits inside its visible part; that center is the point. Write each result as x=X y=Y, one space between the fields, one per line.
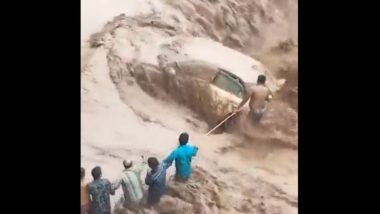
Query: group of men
x=95 y=196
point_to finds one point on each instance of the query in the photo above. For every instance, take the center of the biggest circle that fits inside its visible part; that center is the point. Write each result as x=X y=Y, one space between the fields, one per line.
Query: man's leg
x=151 y=201
x=180 y=179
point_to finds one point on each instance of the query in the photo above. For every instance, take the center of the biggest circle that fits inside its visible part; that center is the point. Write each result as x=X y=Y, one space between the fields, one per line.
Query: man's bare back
x=259 y=95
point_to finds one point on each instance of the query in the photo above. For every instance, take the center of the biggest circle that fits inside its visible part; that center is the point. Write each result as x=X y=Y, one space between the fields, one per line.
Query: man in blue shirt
x=182 y=156
x=156 y=180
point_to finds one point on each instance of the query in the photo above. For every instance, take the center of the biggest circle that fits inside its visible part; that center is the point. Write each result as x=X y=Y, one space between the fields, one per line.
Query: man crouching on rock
x=258 y=96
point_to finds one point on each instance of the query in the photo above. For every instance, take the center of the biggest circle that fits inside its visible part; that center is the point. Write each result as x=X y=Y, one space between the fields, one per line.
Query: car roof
x=225 y=58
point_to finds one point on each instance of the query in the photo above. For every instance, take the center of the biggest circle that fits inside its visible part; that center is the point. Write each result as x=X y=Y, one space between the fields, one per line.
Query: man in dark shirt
x=156 y=180
x=100 y=190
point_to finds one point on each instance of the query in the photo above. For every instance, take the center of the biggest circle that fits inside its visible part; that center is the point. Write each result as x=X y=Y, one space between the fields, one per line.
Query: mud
x=206 y=193
x=137 y=97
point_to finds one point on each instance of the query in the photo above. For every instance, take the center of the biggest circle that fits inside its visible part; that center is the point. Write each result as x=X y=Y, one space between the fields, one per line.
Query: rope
x=220 y=123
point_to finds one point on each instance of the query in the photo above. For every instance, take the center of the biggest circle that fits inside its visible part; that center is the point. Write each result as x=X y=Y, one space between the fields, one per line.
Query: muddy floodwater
x=133 y=105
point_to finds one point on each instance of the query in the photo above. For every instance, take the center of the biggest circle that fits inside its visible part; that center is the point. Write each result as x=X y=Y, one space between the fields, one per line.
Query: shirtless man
x=84 y=194
x=258 y=96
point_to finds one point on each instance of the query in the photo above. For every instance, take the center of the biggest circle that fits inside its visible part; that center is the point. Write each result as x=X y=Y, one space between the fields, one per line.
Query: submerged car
x=200 y=73
x=209 y=90
x=212 y=91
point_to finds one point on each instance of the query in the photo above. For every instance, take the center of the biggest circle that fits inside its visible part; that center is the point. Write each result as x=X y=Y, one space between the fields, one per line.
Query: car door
x=227 y=92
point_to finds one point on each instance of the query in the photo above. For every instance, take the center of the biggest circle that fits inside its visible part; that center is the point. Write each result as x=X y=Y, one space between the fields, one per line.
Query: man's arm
x=169 y=160
x=269 y=96
x=112 y=191
x=148 y=179
x=141 y=166
x=195 y=150
x=90 y=192
x=116 y=184
x=245 y=99
x=88 y=189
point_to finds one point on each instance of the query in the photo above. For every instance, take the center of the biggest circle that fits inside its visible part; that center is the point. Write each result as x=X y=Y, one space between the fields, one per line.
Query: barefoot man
x=258 y=96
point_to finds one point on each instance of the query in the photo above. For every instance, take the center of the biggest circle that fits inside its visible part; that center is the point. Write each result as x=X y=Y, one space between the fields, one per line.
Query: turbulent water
x=121 y=118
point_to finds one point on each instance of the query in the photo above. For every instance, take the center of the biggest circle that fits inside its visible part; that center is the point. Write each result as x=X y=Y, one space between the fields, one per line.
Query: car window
x=229 y=83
